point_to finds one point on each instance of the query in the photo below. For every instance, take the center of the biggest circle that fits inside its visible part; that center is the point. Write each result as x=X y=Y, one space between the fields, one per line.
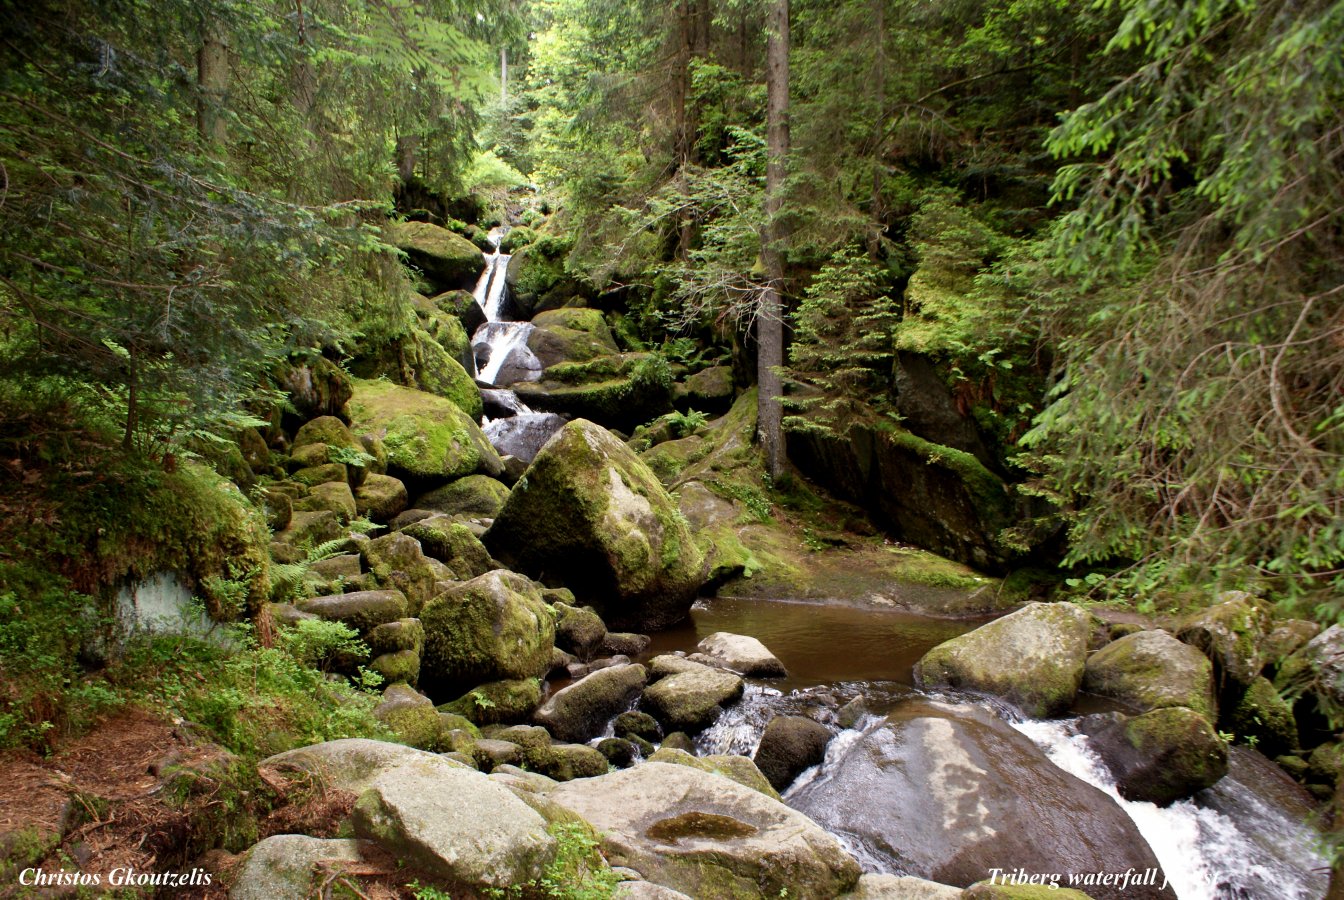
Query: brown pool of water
x=818 y=642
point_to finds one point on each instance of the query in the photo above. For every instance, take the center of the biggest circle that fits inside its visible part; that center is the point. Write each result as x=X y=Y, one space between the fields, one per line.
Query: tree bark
x=877 y=211
x=503 y=75
x=769 y=317
x=212 y=82
x=407 y=147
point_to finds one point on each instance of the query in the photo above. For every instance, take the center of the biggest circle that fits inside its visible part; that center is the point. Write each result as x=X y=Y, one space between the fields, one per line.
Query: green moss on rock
x=447 y=259
x=474 y=495
x=425 y=435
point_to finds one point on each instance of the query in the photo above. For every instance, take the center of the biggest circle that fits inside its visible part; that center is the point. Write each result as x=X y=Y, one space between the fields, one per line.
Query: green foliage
x=1195 y=426
x=686 y=423
x=321 y=644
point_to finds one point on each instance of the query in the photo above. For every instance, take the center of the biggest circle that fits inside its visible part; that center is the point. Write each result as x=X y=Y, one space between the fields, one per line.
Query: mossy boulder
x=392 y=637
x=498 y=702
x=461 y=305
x=637 y=724
x=589 y=514
x=566 y=762
x=538 y=281
x=735 y=768
x=416 y=360
x=1326 y=763
x=491 y=628
x=327 y=430
x=691 y=699
x=789 y=745
x=1264 y=717
x=308 y=529
x=329 y=495
x=1034 y=658
x=361 y=610
x=426 y=436
x=474 y=495
x=570 y=335
x=1317 y=670
x=401 y=666
x=396 y=561
x=709 y=390
x=582 y=710
x=1151 y=670
x=453 y=544
x=579 y=631
x=321 y=474
x=315 y=387
x=1232 y=633
x=619 y=392
x=1286 y=638
x=381 y=497
x=1161 y=756
x=448 y=260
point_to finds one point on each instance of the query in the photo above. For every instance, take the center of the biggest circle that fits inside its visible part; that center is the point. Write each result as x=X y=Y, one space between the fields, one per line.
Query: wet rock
x=692 y=699
x=591 y=515
x=284 y=866
x=618 y=751
x=789 y=745
x=361 y=610
x=741 y=653
x=426 y=436
x=637 y=724
x=706 y=836
x=618 y=391
x=1161 y=756
x=581 y=711
x=624 y=643
x=734 y=768
x=1151 y=670
x=380 y=497
x=501 y=403
x=578 y=631
x=1231 y=633
x=947 y=793
x=490 y=628
x=523 y=436
x=1033 y=658
x=455 y=824
x=474 y=495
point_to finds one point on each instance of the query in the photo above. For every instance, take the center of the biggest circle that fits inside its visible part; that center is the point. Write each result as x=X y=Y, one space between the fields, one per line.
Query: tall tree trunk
x=769 y=318
x=212 y=81
x=503 y=75
x=877 y=211
x=692 y=43
x=407 y=146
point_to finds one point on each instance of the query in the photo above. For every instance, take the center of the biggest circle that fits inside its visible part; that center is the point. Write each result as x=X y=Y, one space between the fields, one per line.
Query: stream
x=918 y=774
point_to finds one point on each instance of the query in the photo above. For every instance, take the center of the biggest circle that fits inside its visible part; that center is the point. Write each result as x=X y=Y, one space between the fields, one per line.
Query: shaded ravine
x=1242 y=839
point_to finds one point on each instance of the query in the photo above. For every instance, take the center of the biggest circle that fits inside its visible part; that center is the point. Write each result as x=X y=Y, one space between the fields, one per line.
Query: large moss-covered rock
x=1151 y=670
x=416 y=360
x=581 y=711
x=392 y=637
x=706 y=836
x=349 y=764
x=491 y=628
x=447 y=259
x=538 y=281
x=1232 y=633
x=590 y=515
x=579 y=631
x=619 y=392
x=316 y=387
x=426 y=436
x=457 y=824
x=396 y=561
x=335 y=496
x=475 y=495
x=1161 y=756
x=498 y=702
x=453 y=544
x=570 y=335
x=381 y=497
x=1033 y=658
x=709 y=390
x=461 y=305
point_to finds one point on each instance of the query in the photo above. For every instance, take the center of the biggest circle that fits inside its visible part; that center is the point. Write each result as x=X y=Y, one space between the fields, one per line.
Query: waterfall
x=502 y=343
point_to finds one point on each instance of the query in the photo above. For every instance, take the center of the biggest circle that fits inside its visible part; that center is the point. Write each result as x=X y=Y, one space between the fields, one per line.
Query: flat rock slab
x=349 y=764
x=455 y=823
x=741 y=653
x=706 y=836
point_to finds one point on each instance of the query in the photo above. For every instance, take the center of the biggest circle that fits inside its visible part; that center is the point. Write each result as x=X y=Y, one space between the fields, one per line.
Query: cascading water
x=501 y=341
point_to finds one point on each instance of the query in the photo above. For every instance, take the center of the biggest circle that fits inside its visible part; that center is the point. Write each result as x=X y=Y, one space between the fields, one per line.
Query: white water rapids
x=506 y=340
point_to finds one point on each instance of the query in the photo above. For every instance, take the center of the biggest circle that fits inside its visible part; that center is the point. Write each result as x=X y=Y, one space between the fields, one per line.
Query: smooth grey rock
x=743 y=654
x=283 y=867
x=1152 y=670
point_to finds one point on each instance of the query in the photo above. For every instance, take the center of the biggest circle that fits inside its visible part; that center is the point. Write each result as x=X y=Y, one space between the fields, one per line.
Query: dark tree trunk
x=212 y=81
x=769 y=318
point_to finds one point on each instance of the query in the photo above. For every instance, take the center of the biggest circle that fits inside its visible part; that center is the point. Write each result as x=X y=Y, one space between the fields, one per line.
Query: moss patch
x=425 y=435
